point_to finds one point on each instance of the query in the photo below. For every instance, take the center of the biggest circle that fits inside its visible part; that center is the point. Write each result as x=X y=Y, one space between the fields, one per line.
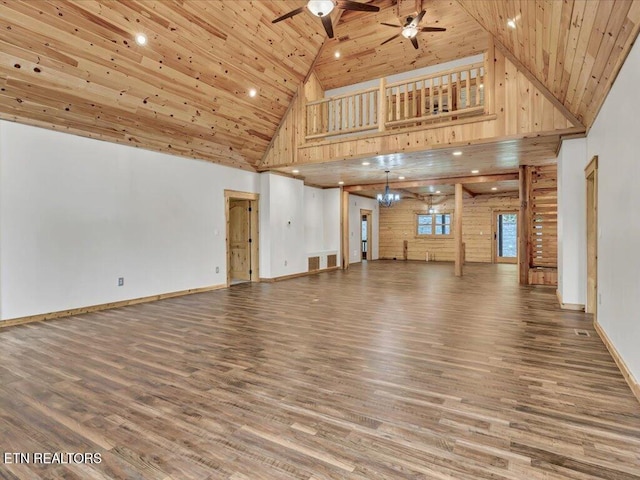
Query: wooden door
x=239 y=235
x=366 y=240
x=505 y=237
x=591 y=174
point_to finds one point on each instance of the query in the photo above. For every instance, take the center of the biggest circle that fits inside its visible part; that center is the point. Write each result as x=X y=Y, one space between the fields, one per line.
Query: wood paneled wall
x=398 y=224
x=284 y=144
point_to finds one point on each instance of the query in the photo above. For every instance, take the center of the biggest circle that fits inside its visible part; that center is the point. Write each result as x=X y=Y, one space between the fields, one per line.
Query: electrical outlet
x=120 y=281
x=217 y=269
x=285 y=263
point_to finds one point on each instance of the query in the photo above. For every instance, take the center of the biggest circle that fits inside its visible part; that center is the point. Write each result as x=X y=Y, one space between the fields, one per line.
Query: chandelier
x=387 y=198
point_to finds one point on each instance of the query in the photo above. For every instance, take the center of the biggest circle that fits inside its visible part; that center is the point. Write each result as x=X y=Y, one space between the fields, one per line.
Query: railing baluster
x=449 y=94
x=479 y=87
x=469 y=102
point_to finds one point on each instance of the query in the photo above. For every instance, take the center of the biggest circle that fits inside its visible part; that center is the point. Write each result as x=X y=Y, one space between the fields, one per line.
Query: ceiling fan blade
x=417 y=20
x=433 y=29
x=361 y=7
x=289 y=15
x=326 y=23
x=391 y=25
x=392 y=38
x=414 y=41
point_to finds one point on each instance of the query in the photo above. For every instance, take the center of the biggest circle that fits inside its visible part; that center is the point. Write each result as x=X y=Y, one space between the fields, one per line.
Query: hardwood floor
x=391 y=370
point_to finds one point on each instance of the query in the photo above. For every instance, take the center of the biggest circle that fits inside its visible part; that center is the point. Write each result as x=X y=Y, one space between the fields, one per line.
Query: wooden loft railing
x=438 y=97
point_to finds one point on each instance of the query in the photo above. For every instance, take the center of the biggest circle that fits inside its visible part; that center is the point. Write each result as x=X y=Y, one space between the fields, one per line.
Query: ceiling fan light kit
x=320 y=8
x=410 y=29
x=323 y=8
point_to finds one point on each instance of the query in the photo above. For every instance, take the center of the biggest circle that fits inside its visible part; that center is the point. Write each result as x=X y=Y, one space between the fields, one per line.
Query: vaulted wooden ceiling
x=74 y=65
x=574 y=47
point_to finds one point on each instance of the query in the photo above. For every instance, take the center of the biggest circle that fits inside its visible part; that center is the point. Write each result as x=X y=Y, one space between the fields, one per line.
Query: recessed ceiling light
x=295 y=171
x=475 y=171
x=337 y=54
x=400 y=178
x=141 y=39
x=457 y=153
x=494 y=188
x=511 y=23
x=365 y=163
x=252 y=92
x=482 y=85
x=437 y=191
x=340 y=182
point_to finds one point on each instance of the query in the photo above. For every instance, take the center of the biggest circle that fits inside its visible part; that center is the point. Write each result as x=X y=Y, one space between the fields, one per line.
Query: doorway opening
x=505 y=237
x=365 y=234
x=242 y=237
x=591 y=175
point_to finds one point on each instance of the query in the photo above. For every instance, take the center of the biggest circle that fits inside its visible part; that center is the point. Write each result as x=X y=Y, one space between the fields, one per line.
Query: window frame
x=434 y=224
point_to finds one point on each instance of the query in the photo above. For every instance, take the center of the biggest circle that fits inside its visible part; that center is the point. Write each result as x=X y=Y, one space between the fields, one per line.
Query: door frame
x=254 y=219
x=369 y=215
x=494 y=236
x=591 y=190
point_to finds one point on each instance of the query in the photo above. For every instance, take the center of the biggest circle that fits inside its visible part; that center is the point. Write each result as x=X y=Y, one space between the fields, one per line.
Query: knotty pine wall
x=291 y=132
x=398 y=223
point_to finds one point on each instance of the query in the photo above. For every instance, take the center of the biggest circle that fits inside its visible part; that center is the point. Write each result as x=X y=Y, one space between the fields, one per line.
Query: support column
x=382 y=105
x=523 y=225
x=344 y=228
x=457 y=231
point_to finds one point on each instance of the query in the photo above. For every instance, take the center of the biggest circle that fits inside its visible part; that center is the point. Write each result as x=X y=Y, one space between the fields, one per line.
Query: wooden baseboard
x=298 y=275
x=104 y=306
x=626 y=373
x=569 y=306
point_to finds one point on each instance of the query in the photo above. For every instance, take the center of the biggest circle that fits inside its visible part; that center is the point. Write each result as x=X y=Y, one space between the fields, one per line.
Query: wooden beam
x=344 y=228
x=523 y=227
x=457 y=230
x=468 y=192
x=538 y=84
x=382 y=106
x=407 y=193
x=501 y=177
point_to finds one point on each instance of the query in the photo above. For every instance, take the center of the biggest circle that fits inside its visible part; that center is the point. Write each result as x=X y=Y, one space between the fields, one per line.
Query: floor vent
x=581 y=333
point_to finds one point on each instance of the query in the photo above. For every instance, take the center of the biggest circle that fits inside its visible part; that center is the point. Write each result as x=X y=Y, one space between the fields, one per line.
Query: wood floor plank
x=390 y=370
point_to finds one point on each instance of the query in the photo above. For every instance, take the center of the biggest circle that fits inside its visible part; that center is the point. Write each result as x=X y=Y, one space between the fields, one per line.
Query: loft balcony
x=423 y=100
x=488 y=103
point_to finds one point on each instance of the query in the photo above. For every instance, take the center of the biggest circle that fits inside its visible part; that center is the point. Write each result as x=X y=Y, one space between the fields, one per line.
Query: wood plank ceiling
x=362 y=57
x=74 y=65
x=574 y=47
x=487 y=159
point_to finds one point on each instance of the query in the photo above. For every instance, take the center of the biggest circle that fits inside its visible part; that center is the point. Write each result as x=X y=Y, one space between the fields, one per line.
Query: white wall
x=77 y=213
x=322 y=223
x=282 y=226
x=572 y=244
x=355 y=226
x=332 y=220
x=314 y=219
x=614 y=138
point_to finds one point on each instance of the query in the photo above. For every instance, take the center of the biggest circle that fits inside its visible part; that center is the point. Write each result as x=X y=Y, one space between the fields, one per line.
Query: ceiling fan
x=410 y=29
x=322 y=9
